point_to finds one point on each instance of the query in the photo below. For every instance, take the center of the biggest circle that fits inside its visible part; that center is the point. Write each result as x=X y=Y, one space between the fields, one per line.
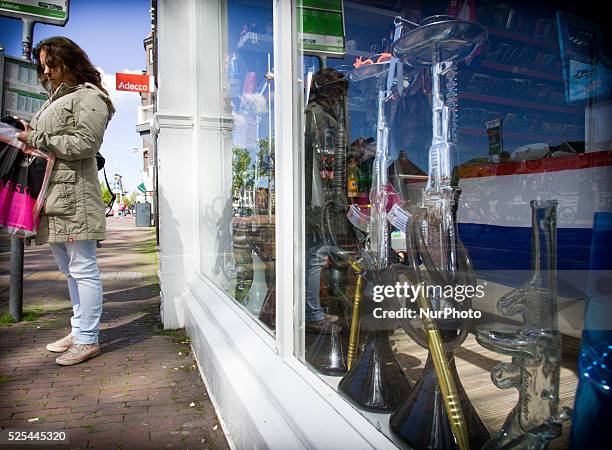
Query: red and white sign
x=132 y=82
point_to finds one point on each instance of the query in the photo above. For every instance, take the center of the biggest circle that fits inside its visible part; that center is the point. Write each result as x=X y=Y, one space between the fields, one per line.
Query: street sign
x=54 y=12
x=321 y=26
x=132 y=82
x=21 y=93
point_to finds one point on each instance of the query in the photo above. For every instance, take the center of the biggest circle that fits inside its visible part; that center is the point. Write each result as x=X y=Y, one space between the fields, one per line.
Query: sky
x=111 y=32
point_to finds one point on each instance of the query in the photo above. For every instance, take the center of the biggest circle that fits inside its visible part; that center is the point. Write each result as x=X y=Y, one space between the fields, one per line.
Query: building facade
x=145 y=113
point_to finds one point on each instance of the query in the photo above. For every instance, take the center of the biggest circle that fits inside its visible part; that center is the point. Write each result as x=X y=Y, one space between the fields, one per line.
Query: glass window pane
x=454 y=154
x=242 y=259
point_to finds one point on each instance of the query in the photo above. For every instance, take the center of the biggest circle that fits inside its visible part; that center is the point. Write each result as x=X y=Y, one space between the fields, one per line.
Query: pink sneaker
x=61 y=345
x=78 y=353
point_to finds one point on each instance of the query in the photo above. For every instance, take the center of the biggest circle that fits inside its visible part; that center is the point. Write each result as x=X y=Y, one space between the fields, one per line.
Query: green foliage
x=106 y=194
x=129 y=201
x=163 y=332
x=6 y=319
x=242 y=176
x=29 y=315
x=266 y=162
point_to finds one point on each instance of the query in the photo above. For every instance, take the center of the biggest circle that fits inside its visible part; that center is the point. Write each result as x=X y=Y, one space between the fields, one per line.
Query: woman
x=71 y=124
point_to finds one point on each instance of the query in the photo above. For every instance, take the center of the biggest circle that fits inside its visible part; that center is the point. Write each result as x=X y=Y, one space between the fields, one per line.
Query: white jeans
x=77 y=260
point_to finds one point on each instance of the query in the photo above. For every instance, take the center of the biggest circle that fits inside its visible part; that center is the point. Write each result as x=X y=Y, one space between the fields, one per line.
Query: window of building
x=522 y=116
x=239 y=256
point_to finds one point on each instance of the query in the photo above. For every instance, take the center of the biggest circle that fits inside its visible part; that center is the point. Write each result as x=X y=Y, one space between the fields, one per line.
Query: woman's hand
x=23 y=136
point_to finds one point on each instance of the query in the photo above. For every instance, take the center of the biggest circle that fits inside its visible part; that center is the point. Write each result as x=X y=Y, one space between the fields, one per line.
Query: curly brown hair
x=65 y=55
x=329 y=83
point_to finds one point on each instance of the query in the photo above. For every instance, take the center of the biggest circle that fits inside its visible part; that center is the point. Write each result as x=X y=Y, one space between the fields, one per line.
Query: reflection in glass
x=593 y=406
x=325 y=212
x=237 y=227
x=327 y=352
x=500 y=111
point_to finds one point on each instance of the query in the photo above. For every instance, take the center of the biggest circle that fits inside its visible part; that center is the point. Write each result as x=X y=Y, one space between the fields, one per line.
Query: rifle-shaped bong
x=535 y=347
x=375 y=380
x=438 y=414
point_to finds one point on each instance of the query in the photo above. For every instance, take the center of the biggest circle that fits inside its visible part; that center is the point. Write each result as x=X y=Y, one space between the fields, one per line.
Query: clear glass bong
x=438 y=413
x=535 y=346
x=375 y=380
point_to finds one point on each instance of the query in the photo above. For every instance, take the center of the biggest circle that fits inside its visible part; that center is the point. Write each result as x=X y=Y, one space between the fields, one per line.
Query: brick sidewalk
x=138 y=394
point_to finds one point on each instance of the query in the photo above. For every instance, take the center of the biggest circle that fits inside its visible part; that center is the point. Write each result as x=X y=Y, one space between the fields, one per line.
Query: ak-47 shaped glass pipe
x=375 y=380
x=439 y=43
x=438 y=414
x=535 y=346
x=384 y=73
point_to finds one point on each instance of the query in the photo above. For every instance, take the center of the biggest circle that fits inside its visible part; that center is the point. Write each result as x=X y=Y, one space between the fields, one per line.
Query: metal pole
x=17 y=247
x=269 y=77
x=16 y=280
x=26 y=39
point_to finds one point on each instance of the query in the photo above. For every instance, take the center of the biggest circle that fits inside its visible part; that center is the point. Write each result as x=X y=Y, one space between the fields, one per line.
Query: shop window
x=523 y=115
x=240 y=207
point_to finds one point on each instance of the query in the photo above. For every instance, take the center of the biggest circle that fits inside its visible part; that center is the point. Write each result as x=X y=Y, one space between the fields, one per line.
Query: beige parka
x=71 y=124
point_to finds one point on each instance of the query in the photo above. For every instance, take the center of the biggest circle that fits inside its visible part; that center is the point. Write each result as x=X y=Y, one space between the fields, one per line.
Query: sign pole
x=16 y=281
x=17 y=247
x=53 y=12
x=26 y=38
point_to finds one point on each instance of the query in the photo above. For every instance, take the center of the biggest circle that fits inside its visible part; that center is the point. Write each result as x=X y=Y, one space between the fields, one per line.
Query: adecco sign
x=133 y=83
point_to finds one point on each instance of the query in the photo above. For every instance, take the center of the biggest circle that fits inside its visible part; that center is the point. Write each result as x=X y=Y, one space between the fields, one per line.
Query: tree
x=242 y=176
x=106 y=194
x=266 y=159
x=129 y=201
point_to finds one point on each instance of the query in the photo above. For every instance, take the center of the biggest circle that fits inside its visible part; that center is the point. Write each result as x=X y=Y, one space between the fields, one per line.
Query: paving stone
x=123 y=397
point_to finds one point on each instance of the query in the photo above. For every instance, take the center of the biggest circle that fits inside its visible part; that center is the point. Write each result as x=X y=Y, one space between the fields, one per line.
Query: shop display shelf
x=516 y=70
x=533 y=137
x=522 y=38
x=519 y=103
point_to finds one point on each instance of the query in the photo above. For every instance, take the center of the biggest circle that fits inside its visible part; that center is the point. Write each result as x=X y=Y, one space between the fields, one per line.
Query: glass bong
x=535 y=346
x=438 y=414
x=375 y=380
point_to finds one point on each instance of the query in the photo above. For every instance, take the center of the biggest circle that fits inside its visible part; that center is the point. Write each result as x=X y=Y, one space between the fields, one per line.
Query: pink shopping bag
x=24 y=177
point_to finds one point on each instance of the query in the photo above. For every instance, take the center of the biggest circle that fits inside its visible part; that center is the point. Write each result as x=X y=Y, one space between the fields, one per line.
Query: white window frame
x=265 y=395
x=288 y=143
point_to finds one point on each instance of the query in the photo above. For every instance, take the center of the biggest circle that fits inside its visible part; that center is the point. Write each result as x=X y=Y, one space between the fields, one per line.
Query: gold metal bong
x=354 y=336
x=452 y=403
